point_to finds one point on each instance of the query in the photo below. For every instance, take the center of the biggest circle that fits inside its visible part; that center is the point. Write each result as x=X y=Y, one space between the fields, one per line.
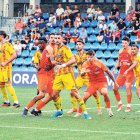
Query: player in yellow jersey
x=136 y=67
x=7 y=55
x=80 y=57
x=64 y=76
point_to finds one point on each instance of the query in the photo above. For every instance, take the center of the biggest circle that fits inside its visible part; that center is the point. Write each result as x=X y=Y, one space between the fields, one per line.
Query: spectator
x=133 y=21
x=130 y=13
x=30 y=10
x=38 y=9
x=41 y=26
x=75 y=36
x=74 y=13
x=136 y=28
x=137 y=12
x=25 y=19
x=114 y=12
x=138 y=36
x=7 y=38
x=35 y=35
x=59 y=12
x=19 y=26
x=91 y=12
x=24 y=41
x=97 y=13
x=83 y=34
x=112 y=26
x=68 y=35
x=101 y=17
x=33 y=26
x=18 y=47
x=102 y=26
x=116 y=34
x=122 y=26
x=78 y=20
x=107 y=36
x=14 y=41
x=52 y=20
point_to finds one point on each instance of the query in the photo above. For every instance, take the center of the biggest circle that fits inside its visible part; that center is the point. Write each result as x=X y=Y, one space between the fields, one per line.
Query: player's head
x=52 y=39
x=65 y=40
x=125 y=41
x=89 y=55
x=134 y=49
x=2 y=35
x=42 y=43
x=79 y=45
x=58 y=39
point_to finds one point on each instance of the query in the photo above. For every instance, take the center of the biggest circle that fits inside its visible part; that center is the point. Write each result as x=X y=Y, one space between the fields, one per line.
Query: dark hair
x=59 y=34
x=51 y=34
x=126 y=39
x=3 y=33
x=42 y=39
x=81 y=41
x=135 y=45
x=90 y=52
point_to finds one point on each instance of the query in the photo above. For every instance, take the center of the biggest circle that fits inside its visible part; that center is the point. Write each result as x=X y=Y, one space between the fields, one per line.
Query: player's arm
x=131 y=67
x=13 y=56
x=116 y=66
x=110 y=75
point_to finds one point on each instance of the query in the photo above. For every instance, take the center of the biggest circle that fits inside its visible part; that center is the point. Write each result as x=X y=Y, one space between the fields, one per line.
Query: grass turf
x=122 y=126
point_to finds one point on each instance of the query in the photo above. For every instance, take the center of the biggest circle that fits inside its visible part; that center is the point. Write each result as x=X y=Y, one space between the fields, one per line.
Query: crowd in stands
x=75 y=25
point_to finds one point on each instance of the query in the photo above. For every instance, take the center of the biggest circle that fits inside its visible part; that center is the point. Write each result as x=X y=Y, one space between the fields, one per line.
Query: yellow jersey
x=6 y=50
x=137 y=68
x=62 y=55
x=37 y=57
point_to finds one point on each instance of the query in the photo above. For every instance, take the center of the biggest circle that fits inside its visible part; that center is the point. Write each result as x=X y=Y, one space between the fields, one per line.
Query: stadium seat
x=45 y=16
x=96 y=31
x=133 y=38
x=27 y=61
x=106 y=15
x=86 y=23
x=32 y=69
x=95 y=46
x=119 y=46
x=23 y=68
x=103 y=46
x=92 y=38
x=25 y=53
x=128 y=31
x=89 y=30
x=107 y=54
x=108 y=22
x=61 y=23
x=83 y=15
x=72 y=30
x=94 y=23
x=103 y=60
x=114 y=54
x=74 y=51
x=32 y=53
x=71 y=45
x=65 y=30
x=110 y=62
x=15 y=68
x=19 y=61
x=122 y=15
x=127 y=23
x=99 y=54
x=87 y=46
x=111 y=46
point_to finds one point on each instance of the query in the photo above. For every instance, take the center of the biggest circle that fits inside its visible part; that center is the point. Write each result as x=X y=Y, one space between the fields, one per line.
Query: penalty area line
x=71 y=130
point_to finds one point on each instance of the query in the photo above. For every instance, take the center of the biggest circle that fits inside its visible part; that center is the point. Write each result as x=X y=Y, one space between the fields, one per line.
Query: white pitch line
x=65 y=110
x=72 y=130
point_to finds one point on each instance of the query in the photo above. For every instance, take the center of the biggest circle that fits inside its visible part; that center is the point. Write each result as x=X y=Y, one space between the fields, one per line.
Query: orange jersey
x=62 y=55
x=97 y=69
x=125 y=59
x=45 y=61
x=6 y=50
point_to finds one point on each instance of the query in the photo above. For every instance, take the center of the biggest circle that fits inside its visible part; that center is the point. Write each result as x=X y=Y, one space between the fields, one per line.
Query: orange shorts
x=120 y=80
x=45 y=83
x=96 y=86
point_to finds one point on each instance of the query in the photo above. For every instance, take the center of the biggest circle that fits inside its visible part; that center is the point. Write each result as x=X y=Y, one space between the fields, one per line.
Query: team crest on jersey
x=96 y=68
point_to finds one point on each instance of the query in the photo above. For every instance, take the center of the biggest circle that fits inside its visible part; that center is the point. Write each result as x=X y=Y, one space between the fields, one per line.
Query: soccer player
x=7 y=55
x=124 y=62
x=97 y=81
x=136 y=67
x=64 y=77
x=45 y=76
x=80 y=57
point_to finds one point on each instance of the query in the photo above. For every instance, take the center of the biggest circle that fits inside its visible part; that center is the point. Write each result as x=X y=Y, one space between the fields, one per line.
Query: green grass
x=122 y=126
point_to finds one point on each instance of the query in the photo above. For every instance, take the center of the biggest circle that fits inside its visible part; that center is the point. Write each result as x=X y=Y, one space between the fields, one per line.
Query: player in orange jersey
x=80 y=57
x=124 y=62
x=7 y=55
x=64 y=77
x=45 y=76
x=97 y=80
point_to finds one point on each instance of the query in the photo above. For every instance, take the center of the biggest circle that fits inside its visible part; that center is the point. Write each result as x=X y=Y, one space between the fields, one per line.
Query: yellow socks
x=73 y=101
x=98 y=101
x=4 y=94
x=58 y=103
x=82 y=104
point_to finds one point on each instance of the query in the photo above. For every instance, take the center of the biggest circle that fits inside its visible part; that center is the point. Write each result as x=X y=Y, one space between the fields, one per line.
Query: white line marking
x=71 y=130
x=65 y=110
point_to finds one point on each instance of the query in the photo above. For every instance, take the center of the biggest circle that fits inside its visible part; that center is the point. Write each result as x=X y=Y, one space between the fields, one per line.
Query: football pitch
x=122 y=126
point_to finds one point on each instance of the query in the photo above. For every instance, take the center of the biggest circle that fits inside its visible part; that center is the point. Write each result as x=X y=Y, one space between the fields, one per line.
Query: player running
x=97 y=80
x=124 y=62
x=80 y=57
x=7 y=55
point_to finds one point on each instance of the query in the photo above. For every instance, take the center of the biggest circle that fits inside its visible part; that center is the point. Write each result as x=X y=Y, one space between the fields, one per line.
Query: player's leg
x=138 y=87
x=120 y=81
x=104 y=92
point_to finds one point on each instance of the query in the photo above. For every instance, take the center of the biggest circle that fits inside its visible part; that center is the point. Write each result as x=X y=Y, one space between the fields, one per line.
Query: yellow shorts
x=5 y=76
x=138 y=82
x=81 y=81
x=64 y=80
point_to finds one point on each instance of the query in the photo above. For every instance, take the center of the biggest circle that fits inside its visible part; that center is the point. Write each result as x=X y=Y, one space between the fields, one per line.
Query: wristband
x=63 y=65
